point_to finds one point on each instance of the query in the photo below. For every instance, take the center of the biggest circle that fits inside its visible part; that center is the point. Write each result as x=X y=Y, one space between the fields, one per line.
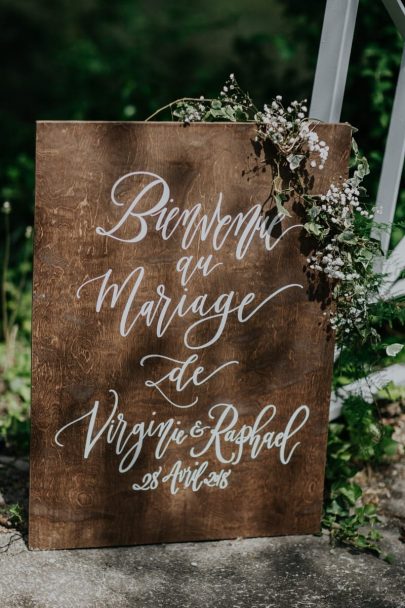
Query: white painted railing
x=326 y=105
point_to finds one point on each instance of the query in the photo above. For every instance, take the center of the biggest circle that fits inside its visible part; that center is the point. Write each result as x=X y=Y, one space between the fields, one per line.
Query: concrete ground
x=253 y=573
x=286 y=572
x=283 y=572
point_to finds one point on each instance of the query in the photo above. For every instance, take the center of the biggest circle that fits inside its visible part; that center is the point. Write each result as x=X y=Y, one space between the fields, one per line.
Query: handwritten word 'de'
x=176 y=376
x=194 y=224
x=220 y=436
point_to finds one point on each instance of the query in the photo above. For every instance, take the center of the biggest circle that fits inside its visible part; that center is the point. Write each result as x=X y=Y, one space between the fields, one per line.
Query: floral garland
x=338 y=221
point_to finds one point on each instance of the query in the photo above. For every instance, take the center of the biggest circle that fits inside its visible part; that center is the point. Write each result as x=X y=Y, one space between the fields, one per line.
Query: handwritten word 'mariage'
x=193 y=222
x=163 y=309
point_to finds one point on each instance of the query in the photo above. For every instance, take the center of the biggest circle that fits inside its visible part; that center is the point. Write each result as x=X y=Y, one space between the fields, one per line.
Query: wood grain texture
x=284 y=351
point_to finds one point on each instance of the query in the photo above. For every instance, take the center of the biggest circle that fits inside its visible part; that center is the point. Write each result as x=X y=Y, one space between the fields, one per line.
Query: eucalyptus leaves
x=338 y=221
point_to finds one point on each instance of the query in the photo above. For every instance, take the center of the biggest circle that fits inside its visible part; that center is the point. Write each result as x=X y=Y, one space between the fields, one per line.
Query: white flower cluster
x=339 y=205
x=331 y=263
x=194 y=112
x=229 y=87
x=345 y=323
x=343 y=258
x=336 y=212
x=282 y=125
x=353 y=301
x=315 y=145
x=289 y=129
x=233 y=97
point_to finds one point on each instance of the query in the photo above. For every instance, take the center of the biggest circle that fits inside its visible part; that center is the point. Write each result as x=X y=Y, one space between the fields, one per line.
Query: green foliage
x=370 y=440
x=387 y=320
x=15 y=297
x=341 y=222
x=15 y=396
x=15 y=514
x=357 y=440
x=15 y=360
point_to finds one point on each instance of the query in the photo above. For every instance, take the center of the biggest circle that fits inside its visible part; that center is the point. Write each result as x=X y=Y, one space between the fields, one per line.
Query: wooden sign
x=181 y=356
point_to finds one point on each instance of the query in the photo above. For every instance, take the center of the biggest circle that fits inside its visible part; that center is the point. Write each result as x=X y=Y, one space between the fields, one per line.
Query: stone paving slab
x=285 y=572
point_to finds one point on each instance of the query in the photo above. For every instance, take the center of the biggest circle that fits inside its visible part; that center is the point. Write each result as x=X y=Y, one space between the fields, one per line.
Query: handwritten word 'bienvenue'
x=194 y=223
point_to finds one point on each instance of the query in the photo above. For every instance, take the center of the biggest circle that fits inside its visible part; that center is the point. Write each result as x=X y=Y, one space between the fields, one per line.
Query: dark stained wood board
x=94 y=376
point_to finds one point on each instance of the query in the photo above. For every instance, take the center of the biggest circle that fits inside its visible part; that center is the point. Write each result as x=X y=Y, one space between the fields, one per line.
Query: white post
x=392 y=167
x=333 y=60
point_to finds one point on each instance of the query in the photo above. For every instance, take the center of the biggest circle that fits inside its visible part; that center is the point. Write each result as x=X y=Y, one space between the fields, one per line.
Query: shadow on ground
x=285 y=572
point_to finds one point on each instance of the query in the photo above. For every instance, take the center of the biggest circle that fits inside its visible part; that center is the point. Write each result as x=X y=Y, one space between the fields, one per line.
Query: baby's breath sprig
x=289 y=129
x=233 y=104
x=341 y=224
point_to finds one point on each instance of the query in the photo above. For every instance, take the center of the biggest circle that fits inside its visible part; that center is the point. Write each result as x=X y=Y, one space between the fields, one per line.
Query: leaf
x=347 y=236
x=336 y=509
x=240 y=114
x=313 y=212
x=313 y=228
x=393 y=349
x=370 y=509
x=361 y=542
x=390 y=447
x=362 y=168
x=217 y=113
x=374 y=535
x=280 y=198
x=295 y=160
x=351 y=491
x=366 y=253
x=354 y=181
x=229 y=113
